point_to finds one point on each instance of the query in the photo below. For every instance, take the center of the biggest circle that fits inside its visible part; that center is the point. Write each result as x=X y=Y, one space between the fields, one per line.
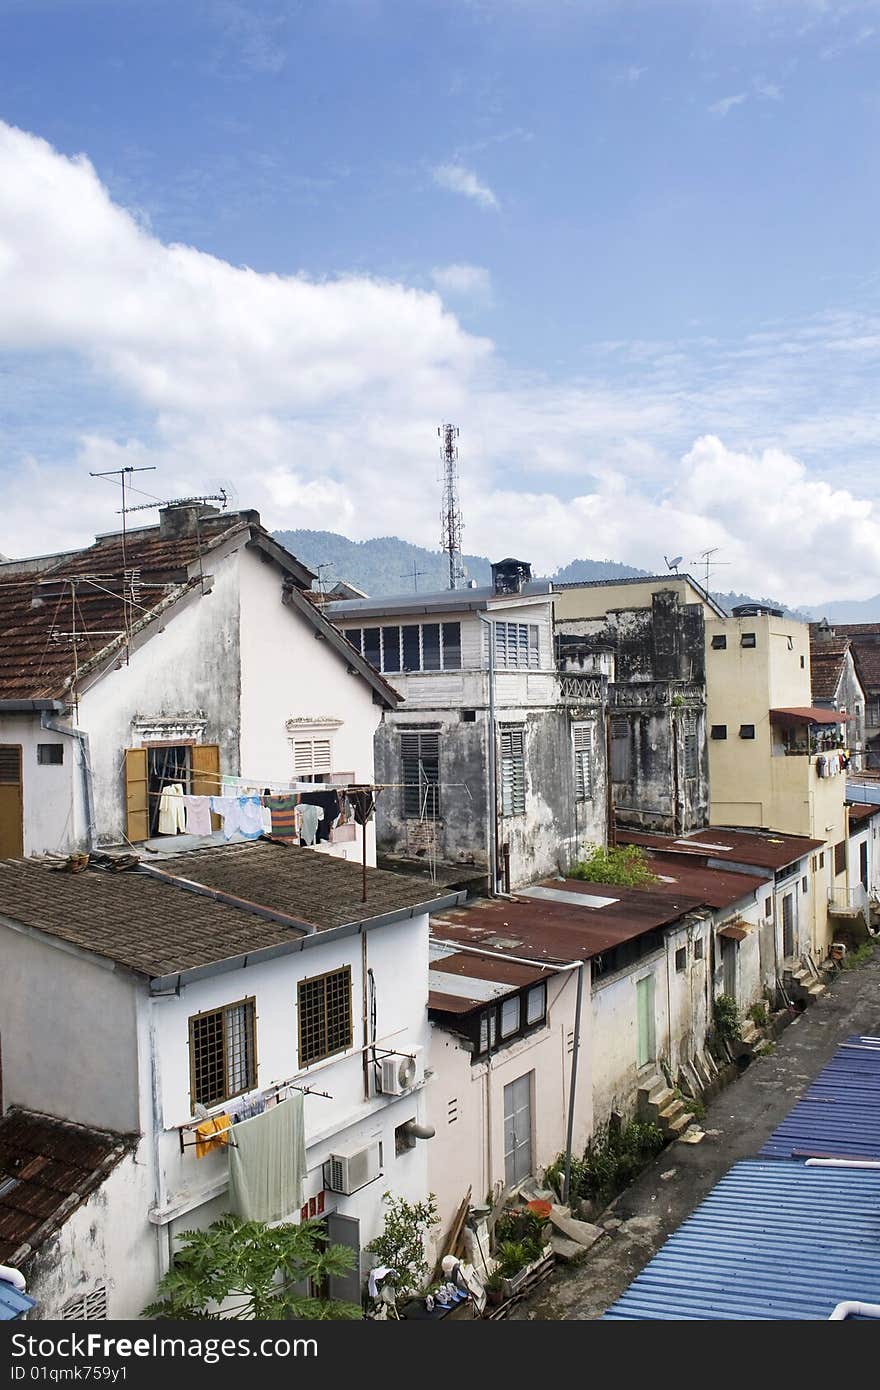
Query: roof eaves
x=262 y=541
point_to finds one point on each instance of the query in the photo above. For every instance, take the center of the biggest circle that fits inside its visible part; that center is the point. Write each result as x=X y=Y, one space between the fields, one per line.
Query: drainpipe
x=566 y=1191
x=13 y=1277
x=86 y=767
x=851 y=1309
x=492 y=768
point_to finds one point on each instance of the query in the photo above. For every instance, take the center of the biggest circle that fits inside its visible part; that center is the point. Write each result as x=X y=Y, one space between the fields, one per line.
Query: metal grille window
x=691 y=750
x=324 y=1013
x=513 y=772
x=516 y=646
x=311 y=757
x=582 y=734
x=420 y=763
x=222 y=1053
x=415 y=647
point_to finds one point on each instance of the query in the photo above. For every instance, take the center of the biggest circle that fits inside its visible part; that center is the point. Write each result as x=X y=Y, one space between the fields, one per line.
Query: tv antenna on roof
x=705 y=559
x=673 y=564
x=413 y=574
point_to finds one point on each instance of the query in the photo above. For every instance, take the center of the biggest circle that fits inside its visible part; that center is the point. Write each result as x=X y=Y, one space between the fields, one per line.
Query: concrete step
x=680 y=1124
x=651 y=1088
x=749 y=1034
x=815 y=989
x=670 y=1112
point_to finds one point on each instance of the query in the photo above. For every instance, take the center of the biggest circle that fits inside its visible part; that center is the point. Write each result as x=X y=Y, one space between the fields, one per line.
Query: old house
x=182 y=653
x=864 y=639
x=492 y=759
x=835 y=685
x=138 y=1007
x=647 y=637
x=775 y=758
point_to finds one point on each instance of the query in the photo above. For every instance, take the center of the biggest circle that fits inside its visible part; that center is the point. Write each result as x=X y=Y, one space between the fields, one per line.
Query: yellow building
x=772 y=756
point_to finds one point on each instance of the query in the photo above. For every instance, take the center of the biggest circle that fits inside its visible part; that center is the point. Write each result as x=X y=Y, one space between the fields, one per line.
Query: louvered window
x=10 y=764
x=620 y=750
x=691 y=749
x=513 y=772
x=91 y=1307
x=420 y=763
x=311 y=757
x=582 y=734
x=516 y=646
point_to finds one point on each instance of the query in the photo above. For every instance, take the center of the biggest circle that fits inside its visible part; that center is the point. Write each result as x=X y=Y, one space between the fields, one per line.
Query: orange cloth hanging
x=210 y=1134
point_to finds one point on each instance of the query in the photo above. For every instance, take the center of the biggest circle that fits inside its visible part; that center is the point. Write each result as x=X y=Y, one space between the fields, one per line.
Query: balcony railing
x=847 y=902
x=581 y=689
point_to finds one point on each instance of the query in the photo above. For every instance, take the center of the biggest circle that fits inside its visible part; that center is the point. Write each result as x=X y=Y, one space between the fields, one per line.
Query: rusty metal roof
x=53 y=1167
x=809 y=714
x=546 y=932
x=460 y=981
x=714 y=887
x=763 y=849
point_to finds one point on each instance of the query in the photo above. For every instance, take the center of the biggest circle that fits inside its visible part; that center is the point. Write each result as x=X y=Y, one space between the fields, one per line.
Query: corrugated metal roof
x=761 y=849
x=839 y=1114
x=460 y=981
x=12 y=1303
x=771 y=1241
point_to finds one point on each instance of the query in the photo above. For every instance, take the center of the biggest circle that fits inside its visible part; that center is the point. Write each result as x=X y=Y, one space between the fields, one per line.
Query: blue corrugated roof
x=12 y=1303
x=839 y=1115
x=771 y=1241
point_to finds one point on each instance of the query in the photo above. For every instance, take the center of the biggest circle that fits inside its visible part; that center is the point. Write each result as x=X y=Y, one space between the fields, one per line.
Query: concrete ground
x=737 y=1123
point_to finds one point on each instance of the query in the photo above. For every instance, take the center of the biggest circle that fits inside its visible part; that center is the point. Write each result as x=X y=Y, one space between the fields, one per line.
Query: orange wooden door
x=11 y=802
x=137 y=799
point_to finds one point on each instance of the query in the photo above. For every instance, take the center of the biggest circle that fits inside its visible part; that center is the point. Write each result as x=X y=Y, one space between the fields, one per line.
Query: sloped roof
x=54 y=1166
x=838 y=1115
x=827 y=661
x=764 y=849
x=63 y=619
x=866 y=656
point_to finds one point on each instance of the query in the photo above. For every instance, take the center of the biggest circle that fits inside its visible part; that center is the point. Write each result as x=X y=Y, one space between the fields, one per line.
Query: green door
x=646 y=1046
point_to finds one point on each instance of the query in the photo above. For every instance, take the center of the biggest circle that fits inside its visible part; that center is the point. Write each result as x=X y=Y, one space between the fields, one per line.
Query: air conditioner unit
x=402 y=1071
x=352 y=1169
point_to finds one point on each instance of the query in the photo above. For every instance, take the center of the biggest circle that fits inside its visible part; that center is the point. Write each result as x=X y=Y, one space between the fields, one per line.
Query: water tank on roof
x=508 y=576
x=754 y=610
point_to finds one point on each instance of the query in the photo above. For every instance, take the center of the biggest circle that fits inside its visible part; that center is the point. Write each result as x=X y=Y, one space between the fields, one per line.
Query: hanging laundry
x=329 y=804
x=250 y=817
x=229 y=809
x=310 y=816
x=247 y=1108
x=267 y=1166
x=211 y=1134
x=171 y=810
x=198 y=815
x=284 y=817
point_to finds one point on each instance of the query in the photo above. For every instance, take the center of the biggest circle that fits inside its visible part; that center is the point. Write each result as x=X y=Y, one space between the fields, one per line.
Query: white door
x=518 y=1129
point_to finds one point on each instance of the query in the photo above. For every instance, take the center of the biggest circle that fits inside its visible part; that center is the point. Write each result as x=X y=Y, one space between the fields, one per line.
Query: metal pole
x=573 y=1086
x=492 y=770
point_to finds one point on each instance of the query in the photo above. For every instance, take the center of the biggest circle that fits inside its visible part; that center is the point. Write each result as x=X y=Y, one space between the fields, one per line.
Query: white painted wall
x=468 y=1150
x=51 y=794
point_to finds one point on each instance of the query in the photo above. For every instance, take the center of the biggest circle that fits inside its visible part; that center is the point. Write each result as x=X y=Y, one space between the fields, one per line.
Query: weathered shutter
x=513 y=781
x=311 y=756
x=583 y=755
x=137 y=800
x=420 y=765
x=206 y=774
x=11 y=802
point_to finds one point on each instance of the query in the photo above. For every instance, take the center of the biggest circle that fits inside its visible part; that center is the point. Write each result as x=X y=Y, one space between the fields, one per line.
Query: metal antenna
x=122 y=473
x=413 y=574
x=451 y=524
x=705 y=559
x=327 y=565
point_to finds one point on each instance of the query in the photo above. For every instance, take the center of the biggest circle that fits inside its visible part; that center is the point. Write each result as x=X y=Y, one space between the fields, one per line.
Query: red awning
x=808 y=714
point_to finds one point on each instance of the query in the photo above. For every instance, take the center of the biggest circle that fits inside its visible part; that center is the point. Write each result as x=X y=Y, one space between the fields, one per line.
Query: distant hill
x=385 y=565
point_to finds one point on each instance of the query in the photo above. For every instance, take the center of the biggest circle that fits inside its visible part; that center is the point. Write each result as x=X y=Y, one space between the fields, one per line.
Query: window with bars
x=691 y=747
x=90 y=1307
x=582 y=736
x=509 y=1019
x=517 y=646
x=513 y=772
x=420 y=764
x=312 y=757
x=324 y=1015
x=223 y=1053
x=414 y=647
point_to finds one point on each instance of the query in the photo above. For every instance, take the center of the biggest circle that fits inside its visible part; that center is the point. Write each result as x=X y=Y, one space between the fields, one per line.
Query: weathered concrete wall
x=62 y=1055
x=651 y=786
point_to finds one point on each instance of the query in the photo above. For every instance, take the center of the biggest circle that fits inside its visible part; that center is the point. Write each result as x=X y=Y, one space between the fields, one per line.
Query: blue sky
x=629 y=247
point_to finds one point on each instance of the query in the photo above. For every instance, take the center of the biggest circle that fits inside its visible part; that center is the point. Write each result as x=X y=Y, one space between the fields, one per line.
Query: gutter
x=85 y=763
x=32 y=706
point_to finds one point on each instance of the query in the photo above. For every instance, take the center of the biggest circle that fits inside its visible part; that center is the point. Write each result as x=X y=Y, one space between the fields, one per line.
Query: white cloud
x=462 y=281
x=319 y=401
x=726 y=104
x=457 y=178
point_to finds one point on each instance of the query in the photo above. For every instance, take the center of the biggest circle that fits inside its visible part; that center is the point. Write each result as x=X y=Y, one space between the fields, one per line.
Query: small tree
x=401 y=1245
x=257 y=1269
x=622 y=864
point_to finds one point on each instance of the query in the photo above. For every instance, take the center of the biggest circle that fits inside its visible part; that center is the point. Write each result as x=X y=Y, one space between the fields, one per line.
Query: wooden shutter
x=513 y=772
x=206 y=774
x=137 y=800
x=583 y=752
x=11 y=802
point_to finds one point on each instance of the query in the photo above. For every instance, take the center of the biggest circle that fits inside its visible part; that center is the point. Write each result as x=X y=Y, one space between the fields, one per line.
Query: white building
x=223 y=977
x=493 y=759
x=186 y=653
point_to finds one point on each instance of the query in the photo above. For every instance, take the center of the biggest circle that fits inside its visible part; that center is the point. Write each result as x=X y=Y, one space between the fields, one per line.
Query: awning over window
x=736 y=931
x=808 y=714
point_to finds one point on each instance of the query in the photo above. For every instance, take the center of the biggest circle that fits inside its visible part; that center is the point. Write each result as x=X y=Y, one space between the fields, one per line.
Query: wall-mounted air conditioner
x=402 y=1071
x=352 y=1168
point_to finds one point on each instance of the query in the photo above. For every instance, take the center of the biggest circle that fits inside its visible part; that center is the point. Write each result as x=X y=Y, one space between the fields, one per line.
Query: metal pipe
x=492 y=761
x=842 y=1163
x=82 y=739
x=13 y=1277
x=852 y=1309
x=566 y=1192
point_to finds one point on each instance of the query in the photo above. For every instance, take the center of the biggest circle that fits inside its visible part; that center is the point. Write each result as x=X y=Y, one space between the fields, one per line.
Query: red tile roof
x=55 y=1165
x=827 y=659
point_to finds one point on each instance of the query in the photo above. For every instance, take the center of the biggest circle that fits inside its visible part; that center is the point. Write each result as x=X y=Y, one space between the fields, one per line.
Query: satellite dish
x=673 y=564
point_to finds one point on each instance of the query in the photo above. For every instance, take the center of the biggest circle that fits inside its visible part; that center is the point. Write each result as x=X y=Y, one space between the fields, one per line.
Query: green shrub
x=622 y=864
x=513 y=1256
x=860 y=956
x=523 y=1228
x=758 y=1014
x=613 y=1157
x=726 y=1016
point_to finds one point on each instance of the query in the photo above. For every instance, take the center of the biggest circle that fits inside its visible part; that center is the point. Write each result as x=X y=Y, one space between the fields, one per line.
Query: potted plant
x=495 y=1287
x=514 y=1257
